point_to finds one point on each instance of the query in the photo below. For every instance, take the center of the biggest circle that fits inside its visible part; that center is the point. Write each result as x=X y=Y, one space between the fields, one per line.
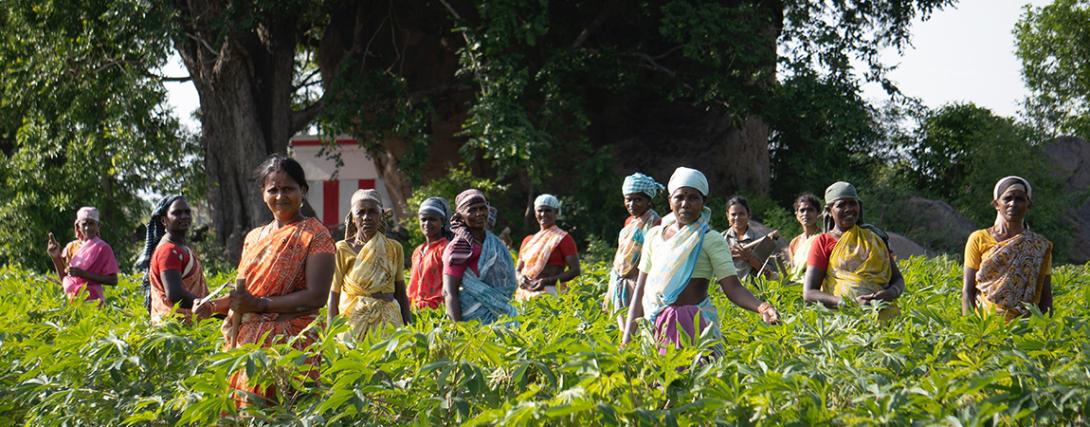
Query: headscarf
x=640 y=183
x=686 y=177
x=155 y=233
x=1007 y=182
x=548 y=200
x=350 y=229
x=437 y=207
x=88 y=212
x=492 y=214
x=840 y=190
x=462 y=244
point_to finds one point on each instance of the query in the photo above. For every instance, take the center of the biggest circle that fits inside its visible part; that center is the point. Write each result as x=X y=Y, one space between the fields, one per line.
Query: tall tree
x=1054 y=46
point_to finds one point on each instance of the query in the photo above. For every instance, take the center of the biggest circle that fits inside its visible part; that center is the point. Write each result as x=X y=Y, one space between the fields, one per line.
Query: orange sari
x=273 y=264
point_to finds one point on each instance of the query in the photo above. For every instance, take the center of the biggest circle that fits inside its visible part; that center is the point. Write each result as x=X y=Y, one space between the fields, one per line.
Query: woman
x=850 y=262
x=174 y=273
x=548 y=258
x=806 y=207
x=679 y=259
x=1007 y=266
x=639 y=191
x=283 y=275
x=87 y=263
x=426 y=278
x=740 y=235
x=478 y=273
x=369 y=285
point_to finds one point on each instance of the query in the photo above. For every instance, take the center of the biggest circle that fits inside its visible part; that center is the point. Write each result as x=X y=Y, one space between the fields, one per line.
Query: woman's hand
x=243 y=302
x=77 y=272
x=768 y=313
x=52 y=247
x=742 y=253
x=202 y=308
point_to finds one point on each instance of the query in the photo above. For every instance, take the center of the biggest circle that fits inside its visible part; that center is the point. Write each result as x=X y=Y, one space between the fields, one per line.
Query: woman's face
x=282 y=195
x=430 y=225
x=86 y=229
x=179 y=217
x=687 y=204
x=476 y=215
x=366 y=214
x=1013 y=204
x=845 y=213
x=637 y=203
x=546 y=216
x=806 y=214
x=738 y=217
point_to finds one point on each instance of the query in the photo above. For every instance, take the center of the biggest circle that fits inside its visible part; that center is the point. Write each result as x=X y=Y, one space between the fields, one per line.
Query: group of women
x=662 y=270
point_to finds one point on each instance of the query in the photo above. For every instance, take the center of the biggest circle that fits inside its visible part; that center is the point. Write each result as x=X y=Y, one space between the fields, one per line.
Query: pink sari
x=94 y=256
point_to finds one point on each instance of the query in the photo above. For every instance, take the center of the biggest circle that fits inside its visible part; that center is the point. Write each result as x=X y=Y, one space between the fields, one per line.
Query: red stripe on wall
x=331 y=198
x=367 y=184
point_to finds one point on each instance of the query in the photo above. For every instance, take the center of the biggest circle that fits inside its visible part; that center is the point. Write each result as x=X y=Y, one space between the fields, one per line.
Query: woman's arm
x=333 y=306
x=811 y=288
x=319 y=274
x=635 y=309
x=891 y=291
x=402 y=298
x=742 y=297
x=176 y=294
x=451 y=286
x=104 y=279
x=572 y=271
x=968 y=290
x=1046 y=296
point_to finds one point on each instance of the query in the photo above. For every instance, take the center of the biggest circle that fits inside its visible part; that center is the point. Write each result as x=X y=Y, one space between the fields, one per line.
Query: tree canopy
x=1054 y=46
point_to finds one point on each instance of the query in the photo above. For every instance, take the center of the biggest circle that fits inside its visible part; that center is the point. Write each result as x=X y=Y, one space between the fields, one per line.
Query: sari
x=1010 y=274
x=672 y=264
x=486 y=294
x=94 y=256
x=169 y=256
x=426 y=278
x=365 y=282
x=799 y=254
x=274 y=264
x=859 y=264
x=627 y=259
x=534 y=255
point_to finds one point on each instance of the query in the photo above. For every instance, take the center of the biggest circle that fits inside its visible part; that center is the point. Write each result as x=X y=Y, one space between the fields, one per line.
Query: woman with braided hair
x=173 y=272
x=369 y=284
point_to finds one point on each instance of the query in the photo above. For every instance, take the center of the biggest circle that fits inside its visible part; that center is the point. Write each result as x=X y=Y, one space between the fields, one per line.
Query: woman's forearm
x=738 y=294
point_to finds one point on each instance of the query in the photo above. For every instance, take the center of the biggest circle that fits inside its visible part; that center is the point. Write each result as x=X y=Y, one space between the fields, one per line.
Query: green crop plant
x=559 y=363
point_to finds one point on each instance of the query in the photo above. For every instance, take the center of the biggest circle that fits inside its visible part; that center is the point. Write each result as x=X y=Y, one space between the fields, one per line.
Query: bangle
x=764 y=307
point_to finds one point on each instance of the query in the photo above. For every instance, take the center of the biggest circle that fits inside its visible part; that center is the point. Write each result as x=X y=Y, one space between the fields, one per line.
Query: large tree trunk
x=244 y=79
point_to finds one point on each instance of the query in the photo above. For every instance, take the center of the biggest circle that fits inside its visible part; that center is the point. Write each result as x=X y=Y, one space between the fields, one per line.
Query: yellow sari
x=859 y=264
x=366 y=284
x=1010 y=274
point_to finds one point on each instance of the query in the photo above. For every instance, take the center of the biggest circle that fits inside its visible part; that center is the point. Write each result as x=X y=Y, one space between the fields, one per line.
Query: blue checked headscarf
x=548 y=200
x=640 y=183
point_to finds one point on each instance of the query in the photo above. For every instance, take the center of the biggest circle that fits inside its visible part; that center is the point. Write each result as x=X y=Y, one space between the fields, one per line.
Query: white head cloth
x=686 y=177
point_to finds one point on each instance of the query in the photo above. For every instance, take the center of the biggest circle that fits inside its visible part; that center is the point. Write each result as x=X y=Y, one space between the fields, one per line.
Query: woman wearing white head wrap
x=87 y=263
x=369 y=285
x=1007 y=266
x=639 y=191
x=426 y=279
x=547 y=258
x=679 y=260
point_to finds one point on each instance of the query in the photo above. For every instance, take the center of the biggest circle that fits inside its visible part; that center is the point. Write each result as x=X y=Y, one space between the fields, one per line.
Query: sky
x=960 y=54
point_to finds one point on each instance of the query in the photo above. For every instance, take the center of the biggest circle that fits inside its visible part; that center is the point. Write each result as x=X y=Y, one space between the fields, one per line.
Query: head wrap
x=492 y=213
x=88 y=212
x=350 y=229
x=1005 y=183
x=462 y=244
x=640 y=183
x=437 y=207
x=548 y=200
x=840 y=190
x=686 y=177
x=155 y=233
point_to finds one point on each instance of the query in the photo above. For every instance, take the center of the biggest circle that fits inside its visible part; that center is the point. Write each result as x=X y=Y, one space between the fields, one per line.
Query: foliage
x=82 y=123
x=958 y=153
x=558 y=363
x=1054 y=46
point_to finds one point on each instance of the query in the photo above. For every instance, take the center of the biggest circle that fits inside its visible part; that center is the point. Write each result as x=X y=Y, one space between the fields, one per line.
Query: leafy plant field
x=558 y=364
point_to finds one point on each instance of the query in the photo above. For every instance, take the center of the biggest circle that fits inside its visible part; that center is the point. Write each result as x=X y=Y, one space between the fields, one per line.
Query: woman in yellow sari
x=851 y=262
x=807 y=209
x=283 y=275
x=1007 y=266
x=369 y=285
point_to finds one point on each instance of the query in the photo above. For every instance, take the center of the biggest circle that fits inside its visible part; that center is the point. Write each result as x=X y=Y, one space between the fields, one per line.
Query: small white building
x=331 y=187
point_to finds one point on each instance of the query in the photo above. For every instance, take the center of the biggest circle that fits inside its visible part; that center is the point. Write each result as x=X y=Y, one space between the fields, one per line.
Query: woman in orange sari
x=548 y=258
x=1007 y=266
x=284 y=274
